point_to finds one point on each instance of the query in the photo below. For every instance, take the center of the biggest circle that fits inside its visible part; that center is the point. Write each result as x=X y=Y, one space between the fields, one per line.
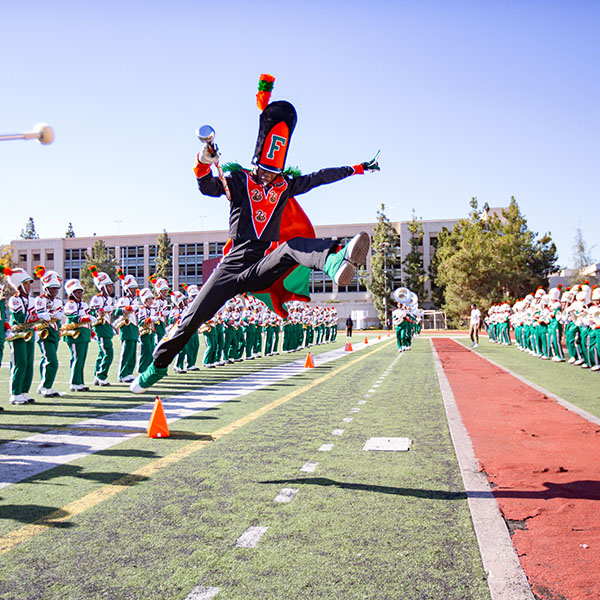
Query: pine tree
x=29 y=233
x=164 y=256
x=385 y=249
x=70 y=233
x=414 y=272
x=487 y=259
x=102 y=259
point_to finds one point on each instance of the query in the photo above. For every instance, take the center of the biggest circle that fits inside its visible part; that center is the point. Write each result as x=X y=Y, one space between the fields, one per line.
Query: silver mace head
x=206 y=134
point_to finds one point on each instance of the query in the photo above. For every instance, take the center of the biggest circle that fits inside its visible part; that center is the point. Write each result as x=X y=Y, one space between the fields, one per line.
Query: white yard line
x=505 y=576
x=33 y=455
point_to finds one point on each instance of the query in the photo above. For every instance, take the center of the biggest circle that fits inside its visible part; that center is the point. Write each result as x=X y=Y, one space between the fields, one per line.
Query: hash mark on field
x=325 y=447
x=355 y=410
x=372 y=391
x=347 y=419
x=309 y=467
x=286 y=495
x=337 y=432
x=202 y=592
x=250 y=537
x=362 y=402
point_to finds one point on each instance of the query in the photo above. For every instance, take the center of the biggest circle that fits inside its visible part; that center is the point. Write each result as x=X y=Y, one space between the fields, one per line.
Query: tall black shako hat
x=276 y=125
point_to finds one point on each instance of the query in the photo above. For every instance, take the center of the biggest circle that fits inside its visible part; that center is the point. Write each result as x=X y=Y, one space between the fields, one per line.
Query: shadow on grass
x=30 y=513
x=581 y=490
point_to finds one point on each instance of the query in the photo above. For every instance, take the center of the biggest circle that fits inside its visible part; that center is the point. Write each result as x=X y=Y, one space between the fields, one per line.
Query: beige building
x=137 y=256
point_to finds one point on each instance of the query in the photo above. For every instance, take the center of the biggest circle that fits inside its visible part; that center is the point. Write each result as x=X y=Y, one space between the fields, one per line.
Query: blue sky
x=486 y=99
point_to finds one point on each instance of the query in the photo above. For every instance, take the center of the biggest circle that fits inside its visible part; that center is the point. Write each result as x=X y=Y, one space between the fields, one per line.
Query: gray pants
x=474 y=333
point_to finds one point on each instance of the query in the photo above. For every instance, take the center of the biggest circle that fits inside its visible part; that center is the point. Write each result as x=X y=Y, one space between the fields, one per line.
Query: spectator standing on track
x=474 y=327
x=349 y=326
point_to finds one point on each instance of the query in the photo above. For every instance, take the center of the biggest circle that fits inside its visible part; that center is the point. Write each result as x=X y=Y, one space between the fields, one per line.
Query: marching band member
x=258 y=199
x=126 y=323
x=3 y=325
x=193 y=345
x=147 y=318
x=77 y=333
x=161 y=305
x=49 y=313
x=102 y=306
x=178 y=307
x=20 y=335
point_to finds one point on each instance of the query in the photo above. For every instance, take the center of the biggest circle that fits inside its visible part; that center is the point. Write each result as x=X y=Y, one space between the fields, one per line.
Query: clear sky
x=464 y=98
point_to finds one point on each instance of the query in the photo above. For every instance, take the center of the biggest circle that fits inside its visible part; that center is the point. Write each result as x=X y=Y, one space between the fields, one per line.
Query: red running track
x=543 y=463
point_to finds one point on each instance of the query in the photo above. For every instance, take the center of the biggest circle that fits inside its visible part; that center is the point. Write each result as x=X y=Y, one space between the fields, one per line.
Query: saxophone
x=20 y=331
x=42 y=327
x=121 y=322
x=146 y=328
x=71 y=330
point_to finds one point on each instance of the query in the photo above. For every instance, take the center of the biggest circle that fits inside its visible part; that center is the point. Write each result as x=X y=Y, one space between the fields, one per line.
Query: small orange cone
x=348 y=347
x=366 y=340
x=378 y=337
x=309 y=364
x=158 y=428
x=388 y=334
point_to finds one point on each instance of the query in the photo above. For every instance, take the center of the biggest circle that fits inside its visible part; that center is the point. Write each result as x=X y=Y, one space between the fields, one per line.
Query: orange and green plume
x=39 y=271
x=5 y=270
x=120 y=273
x=93 y=270
x=265 y=87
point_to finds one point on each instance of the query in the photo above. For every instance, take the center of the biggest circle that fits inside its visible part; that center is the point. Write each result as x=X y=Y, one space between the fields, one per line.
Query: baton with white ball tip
x=206 y=134
x=42 y=132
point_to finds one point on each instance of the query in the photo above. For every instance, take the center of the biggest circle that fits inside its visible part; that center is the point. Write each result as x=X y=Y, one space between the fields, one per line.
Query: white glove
x=207 y=157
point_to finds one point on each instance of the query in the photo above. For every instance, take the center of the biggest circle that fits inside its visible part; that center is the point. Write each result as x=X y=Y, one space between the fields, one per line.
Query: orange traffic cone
x=158 y=428
x=366 y=340
x=388 y=334
x=309 y=364
x=378 y=337
x=348 y=347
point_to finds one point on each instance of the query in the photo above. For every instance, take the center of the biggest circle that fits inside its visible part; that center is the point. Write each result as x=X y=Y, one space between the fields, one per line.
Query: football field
x=265 y=489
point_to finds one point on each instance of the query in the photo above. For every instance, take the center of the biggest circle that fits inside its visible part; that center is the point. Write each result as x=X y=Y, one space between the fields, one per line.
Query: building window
x=36 y=257
x=215 y=249
x=49 y=256
x=22 y=257
x=74 y=260
x=191 y=257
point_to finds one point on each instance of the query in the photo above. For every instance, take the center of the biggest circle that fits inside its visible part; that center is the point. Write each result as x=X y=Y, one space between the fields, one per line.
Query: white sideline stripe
x=326 y=448
x=201 y=592
x=250 y=537
x=286 y=495
x=33 y=455
x=505 y=576
x=309 y=467
x=538 y=388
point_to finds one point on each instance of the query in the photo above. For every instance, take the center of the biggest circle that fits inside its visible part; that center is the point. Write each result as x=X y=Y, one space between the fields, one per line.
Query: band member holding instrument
x=49 y=313
x=146 y=318
x=161 y=305
x=20 y=335
x=127 y=325
x=259 y=199
x=77 y=333
x=3 y=325
x=102 y=306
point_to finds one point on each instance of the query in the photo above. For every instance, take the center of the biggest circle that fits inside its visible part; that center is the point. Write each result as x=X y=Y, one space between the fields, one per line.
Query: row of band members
x=244 y=328
x=547 y=323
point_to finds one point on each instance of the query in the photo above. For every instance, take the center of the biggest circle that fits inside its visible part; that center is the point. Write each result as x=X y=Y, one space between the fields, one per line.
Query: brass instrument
x=100 y=319
x=204 y=328
x=71 y=330
x=43 y=326
x=146 y=328
x=20 y=331
x=121 y=322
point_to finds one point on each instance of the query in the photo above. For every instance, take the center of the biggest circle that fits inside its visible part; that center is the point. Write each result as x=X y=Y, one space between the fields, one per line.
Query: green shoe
x=148 y=378
x=341 y=266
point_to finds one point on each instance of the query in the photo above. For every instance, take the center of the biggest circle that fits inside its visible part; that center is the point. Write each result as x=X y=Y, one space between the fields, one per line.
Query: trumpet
x=121 y=322
x=71 y=330
x=146 y=328
x=20 y=331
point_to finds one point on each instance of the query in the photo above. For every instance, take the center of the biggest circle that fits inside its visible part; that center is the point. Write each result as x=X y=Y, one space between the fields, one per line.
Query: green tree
x=414 y=273
x=104 y=261
x=488 y=259
x=70 y=233
x=437 y=290
x=164 y=256
x=582 y=257
x=29 y=233
x=385 y=248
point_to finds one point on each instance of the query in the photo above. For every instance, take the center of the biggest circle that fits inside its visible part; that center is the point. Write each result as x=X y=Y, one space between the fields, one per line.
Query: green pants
x=21 y=366
x=192 y=348
x=210 y=354
x=48 y=362
x=78 y=357
x=146 y=349
x=127 y=358
x=228 y=341
x=106 y=354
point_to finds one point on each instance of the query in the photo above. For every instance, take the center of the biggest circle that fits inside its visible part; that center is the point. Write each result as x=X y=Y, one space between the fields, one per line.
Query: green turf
x=363 y=525
x=579 y=386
